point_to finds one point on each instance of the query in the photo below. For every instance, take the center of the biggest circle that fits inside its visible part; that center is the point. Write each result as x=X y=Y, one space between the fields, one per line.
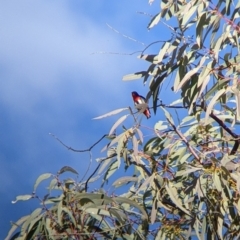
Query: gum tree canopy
x=182 y=176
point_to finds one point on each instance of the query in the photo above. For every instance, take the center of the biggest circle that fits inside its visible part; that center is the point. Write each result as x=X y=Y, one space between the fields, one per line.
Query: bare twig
x=76 y=150
x=132 y=39
x=81 y=151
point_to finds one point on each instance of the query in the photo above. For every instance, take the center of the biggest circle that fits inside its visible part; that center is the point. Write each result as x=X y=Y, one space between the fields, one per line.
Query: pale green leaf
x=104 y=165
x=117 y=123
x=135 y=145
x=16 y=225
x=140 y=134
x=204 y=85
x=174 y=196
x=188 y=12
x=124 y=180
x=212 y=103
x=67 y=169
x=168 y=116
x=199 y=29
x=203 y=230
x=70 y=215
x=160 y=125
x=132 y=203
x=40 y=179
x=154 y=21
x=114 y=112
x=163 y=51
x=52 y=184
x=190 y=74
x=111 y=170
x=217 y=181
x=145 y=184
x=154 y=211
x=22 y=198
x=134 y=76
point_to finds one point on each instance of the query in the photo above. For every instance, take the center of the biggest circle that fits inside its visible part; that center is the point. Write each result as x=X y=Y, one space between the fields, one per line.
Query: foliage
x=186 y=180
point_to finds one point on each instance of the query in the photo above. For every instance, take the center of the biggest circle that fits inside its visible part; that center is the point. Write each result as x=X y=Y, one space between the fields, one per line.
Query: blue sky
x=51 y=82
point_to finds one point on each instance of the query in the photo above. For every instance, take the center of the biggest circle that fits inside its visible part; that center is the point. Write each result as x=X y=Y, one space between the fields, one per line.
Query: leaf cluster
x=185 y=178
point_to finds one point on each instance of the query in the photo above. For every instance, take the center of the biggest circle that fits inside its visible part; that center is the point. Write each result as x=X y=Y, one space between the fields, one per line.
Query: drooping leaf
x=212 y=103
x=134 y=76
x=40 y=179
x=114 y=112
x=22 y=198
x=117 y=123
x=154 y=21
x=15 y=226
x=67 y=169
x=124 y=180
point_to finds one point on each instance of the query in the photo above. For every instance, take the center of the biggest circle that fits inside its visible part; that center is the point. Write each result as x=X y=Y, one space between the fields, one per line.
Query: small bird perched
x=138 y=99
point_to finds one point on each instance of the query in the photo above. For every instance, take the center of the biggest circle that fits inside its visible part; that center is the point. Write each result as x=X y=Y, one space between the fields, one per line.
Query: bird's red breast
x=138 y=99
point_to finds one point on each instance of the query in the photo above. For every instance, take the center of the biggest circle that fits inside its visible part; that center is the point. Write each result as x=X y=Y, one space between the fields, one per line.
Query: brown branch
x=75 y=150
x=226 y=128
x=184 y=140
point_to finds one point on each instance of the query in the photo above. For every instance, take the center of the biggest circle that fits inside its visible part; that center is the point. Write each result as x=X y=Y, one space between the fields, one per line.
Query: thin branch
x=184 y=140
x=81 y=151
x=86 y=184
x=226 y=128
x=76 y=150
x=132 y=39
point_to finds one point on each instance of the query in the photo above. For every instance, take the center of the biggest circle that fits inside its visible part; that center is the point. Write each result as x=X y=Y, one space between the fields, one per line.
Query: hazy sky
x=54 y=79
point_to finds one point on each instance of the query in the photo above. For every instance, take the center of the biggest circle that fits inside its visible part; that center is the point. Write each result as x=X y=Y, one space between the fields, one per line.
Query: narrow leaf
x=114 y=112
x=213 y=101
x=174 y=197
x=140 y=134
x=15 y=226
x=134 y=76
x=40 y=179
x=67 y=169
x=117 y=123
x=132 y=203
x=154 y=21
x=22 y=198
x=124 y=180
x=190 y=74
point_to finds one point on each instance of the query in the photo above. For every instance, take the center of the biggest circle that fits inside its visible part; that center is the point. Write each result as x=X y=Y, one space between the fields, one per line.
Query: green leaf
x=188 y=12
x=132 y=203
x=154 y=21
x=114 y=112
x=67 y=169
x=70 y=215
x=117 y=123
x=22 y=198
x=199 y=29
x=111 y=170
x=190 y=74
x=212 y=103
x=160 y=125
x=174 y=197
x=163 y=51
x=134 y=76
x=15 y=226
x=168 y=116
x=154 y=211
x=217 y=181
x=53 y=184
x=40 y=179
x=124 y=180
x=140 y=134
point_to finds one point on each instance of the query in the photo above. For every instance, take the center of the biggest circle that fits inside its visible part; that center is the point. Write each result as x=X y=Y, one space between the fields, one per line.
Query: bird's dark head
x=135 y=94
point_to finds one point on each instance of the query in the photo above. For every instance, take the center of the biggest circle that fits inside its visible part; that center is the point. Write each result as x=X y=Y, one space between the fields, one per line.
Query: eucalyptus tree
x=185 y=179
